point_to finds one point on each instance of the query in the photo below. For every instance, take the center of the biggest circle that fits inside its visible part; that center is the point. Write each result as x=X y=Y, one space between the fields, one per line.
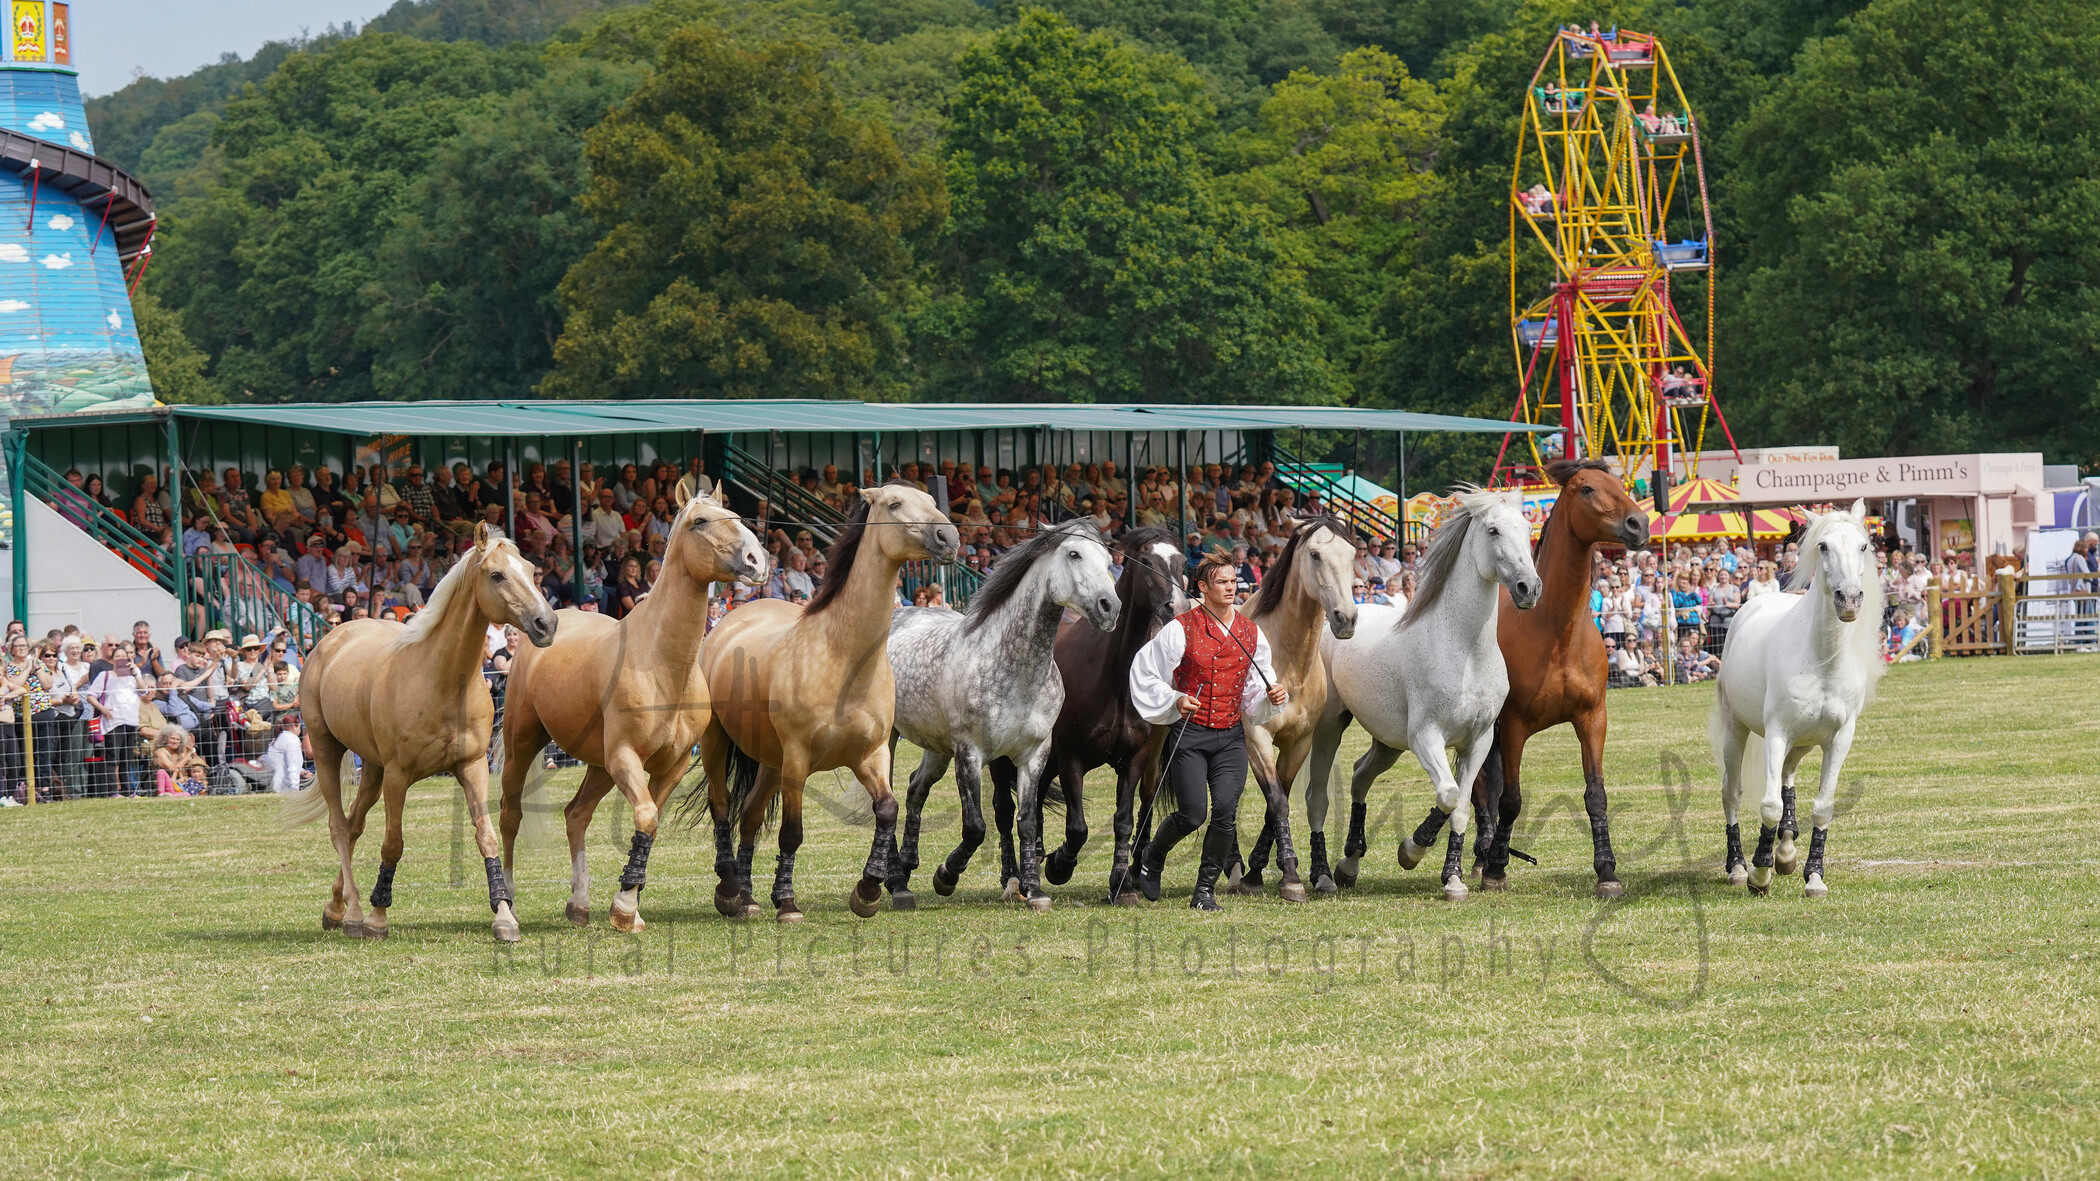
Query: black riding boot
x=1151 y=860
x=1217 y=846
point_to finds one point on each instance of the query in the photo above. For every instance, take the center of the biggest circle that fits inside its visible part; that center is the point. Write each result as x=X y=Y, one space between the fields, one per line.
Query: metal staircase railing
x=239 y=597
x=790 y=501
x=119 y=536
x=1367 y=520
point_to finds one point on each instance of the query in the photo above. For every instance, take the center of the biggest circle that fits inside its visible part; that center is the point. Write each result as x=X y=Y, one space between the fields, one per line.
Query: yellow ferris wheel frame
x=1608 y=159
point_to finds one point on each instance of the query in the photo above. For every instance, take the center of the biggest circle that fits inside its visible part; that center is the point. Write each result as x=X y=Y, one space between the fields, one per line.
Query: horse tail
x=693 y=807
x=1752 y=776
x=305 y=805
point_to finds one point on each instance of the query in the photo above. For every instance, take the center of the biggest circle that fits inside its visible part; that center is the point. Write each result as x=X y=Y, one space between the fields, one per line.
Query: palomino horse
x=1797 y=671
x=1557 y=667
x=1306 y=591
x=626 y=697
x=983 y=686
x=410 y=700
x=1097 y=725
x=797 y=690
x=1430 y=679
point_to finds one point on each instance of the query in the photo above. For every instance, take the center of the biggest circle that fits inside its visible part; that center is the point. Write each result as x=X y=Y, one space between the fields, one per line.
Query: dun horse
x=1796 y=673
x=1097 y=726
x=983 y=686
x=409 y=699
x=1306 y=591
x=626 y=697
x=1431 y=680
x=797 y=690
x=1557 y=666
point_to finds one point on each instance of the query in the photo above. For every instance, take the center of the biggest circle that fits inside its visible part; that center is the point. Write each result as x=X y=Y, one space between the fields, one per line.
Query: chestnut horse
x=1557 y=666
x=626 y=697
x=411 y=701
x=798 y=689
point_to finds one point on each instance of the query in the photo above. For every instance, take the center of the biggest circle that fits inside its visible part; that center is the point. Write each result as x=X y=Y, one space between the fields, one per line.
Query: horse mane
x=1136 y=541
x=838 y=560
x=1864 y=643
x=424 y=621
x=1013 y=569
x=1279 y=575
x=1440 y=557
x=1560 y=471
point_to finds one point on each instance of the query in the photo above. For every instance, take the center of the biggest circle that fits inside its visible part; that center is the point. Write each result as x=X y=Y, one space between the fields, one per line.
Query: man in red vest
x=1205 y=673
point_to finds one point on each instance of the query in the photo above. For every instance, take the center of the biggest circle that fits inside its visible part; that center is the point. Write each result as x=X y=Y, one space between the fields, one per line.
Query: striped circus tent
x=1679 y=525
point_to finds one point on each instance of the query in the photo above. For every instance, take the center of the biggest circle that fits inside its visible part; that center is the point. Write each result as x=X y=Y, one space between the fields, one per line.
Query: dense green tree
x=1930 y=197
x=272 y=270
x=175 y=365
x=1093 y=258
x=758 y=237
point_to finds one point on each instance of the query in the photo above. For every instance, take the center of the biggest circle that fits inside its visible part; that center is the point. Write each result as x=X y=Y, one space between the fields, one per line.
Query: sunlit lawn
x=171 y=1006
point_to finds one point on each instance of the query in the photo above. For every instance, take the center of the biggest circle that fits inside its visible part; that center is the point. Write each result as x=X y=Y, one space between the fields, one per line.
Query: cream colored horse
x=1308 y=589
x=803 y=689
x=410 y=700
x=626 y=697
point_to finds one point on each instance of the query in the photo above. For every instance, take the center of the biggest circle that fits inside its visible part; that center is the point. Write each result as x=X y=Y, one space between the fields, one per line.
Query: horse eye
x=1073 y=554
x=1824 y=546
x=1587 y=490
x=1494 y=532
x=496 y=577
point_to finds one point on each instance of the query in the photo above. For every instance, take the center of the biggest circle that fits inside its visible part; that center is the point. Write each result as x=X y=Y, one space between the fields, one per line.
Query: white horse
x=1796 y=671
x=1430 y=679
x=981 y=686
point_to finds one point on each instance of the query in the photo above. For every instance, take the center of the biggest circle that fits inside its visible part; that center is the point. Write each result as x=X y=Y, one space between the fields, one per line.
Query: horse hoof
x=353 y=929
x=331 y=922
x=1325 y=885
x=373 y=931
x=1130 y=899
x=1345 y=872
x=788 y=912
x=1410 y=853
x=864 y=907
x=943 y=884
x=1784 y=864
x=1757 y=891
x=728 y=903
x=1039 y=902
x=1291 y=891
x=628 y=921
x=1012 y=893
x=1738 y=876
x=579 y=915
x=1245 y=886
x=1815 y=887
x=748 y=910
x=1611 y=889
x=1057 y=870
x=505 y=926
x=1455 y=889
x=1493 y=885
x=901 y=900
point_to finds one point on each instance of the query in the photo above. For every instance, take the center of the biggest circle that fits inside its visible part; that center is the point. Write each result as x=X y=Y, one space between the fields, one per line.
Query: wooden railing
x=2020 y=614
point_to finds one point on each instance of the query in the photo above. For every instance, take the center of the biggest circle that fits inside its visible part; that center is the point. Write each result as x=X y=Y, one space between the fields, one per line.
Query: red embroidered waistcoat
x=1213 y=669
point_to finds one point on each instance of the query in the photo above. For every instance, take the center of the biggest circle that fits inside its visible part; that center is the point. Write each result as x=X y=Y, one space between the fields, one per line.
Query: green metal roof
x=623 y=417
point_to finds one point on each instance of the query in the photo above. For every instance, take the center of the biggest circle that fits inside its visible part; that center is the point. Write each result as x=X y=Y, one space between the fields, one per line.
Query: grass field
x=171 y=1007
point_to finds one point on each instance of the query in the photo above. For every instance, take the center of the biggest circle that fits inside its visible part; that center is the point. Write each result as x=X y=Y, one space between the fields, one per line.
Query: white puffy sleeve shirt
x=1152 y=688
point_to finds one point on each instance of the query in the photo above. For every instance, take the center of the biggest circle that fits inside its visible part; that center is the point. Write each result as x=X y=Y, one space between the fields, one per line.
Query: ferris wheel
x=1610 y=183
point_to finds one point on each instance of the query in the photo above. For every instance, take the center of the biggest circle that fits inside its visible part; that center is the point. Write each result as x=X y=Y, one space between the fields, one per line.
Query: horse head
x=505 y=589
x=711 y=544
x=1499 y=538
x=906 y=525
x=1841 y=556
x=1596 y=505
x=1155 y=569
x=1080 y=577
x=1325 y=571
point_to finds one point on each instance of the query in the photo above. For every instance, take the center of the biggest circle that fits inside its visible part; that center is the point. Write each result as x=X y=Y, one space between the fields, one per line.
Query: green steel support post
x=18 y=495
x=178 y=561
x=576 y=516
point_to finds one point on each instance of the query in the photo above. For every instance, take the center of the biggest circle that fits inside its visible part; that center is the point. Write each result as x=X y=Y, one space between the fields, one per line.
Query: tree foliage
x=758 y=238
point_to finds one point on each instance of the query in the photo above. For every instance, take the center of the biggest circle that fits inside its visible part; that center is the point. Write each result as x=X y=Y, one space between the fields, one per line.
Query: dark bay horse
x=1097 y=725
x=1557 y=666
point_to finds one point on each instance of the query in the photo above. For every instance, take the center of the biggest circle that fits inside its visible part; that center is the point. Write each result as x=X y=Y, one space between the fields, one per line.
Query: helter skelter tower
x=1609 y=184
x=75 y=234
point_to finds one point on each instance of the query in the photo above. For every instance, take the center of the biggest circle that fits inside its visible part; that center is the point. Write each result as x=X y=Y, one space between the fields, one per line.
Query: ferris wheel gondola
x=1609 y=182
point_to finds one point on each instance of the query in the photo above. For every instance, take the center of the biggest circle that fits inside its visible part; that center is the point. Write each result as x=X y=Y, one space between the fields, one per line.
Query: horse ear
x=868 y=495
x=722 y=494
x=1859 y=509
x=481 y=535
